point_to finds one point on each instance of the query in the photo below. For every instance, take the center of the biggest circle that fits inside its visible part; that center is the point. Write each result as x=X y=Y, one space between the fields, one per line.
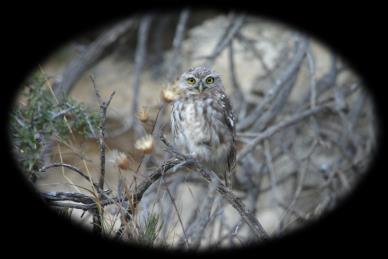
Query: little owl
x=202 y=121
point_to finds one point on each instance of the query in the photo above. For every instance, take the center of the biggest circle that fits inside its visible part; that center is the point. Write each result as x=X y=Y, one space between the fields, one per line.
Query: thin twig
x=283 y=124
x=174 y=66
x=93 y=53
x=97 y=227
x=176 y=59
x=71 y=167
x=140 y=56
x=311 y=66
x=177 y=213
x=225 y=39
x=226 y=193
x=203 y=218
x=271 y=173
x=279 y=85
x=237 y=92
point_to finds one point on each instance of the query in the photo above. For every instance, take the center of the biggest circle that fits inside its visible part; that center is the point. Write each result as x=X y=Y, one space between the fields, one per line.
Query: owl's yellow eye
x=210 y=80
x=191 y=80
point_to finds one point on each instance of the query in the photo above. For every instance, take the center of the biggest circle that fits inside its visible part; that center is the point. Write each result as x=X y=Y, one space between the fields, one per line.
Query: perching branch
x=224 y=191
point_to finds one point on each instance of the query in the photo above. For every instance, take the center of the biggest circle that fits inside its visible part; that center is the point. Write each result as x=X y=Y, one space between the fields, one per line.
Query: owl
x=203 y=123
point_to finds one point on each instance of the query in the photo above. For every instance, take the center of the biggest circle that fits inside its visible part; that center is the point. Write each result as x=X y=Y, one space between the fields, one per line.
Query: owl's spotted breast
x=199 y=128
x=198 y=119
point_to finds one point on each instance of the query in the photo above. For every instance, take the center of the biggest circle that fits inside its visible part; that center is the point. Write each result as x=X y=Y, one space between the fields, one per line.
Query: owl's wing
x=230 y=121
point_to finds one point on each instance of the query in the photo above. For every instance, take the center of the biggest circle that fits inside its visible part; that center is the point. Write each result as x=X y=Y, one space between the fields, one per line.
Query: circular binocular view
x=193 y=129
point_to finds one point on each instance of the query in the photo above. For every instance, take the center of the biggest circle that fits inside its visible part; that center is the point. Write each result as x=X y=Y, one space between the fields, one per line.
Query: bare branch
x=203 y=218
x=140 y=56
x=94 y=52
x=71 y=167
x=225 y=192
x=283 y=124
x=249 y=43
x=280 y=85
x=177 y=45
x=97 y=219
x=311 y=66
x=177 y=213
x=326 y=82
x=103 y=108
x=67 y=196
x=175 y=64
x=230 y=32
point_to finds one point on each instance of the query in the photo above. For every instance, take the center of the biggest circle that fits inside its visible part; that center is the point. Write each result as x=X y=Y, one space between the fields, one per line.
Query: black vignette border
x=353 y=31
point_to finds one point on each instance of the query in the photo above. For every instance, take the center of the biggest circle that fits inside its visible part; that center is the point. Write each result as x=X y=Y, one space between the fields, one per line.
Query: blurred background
x=305 y=134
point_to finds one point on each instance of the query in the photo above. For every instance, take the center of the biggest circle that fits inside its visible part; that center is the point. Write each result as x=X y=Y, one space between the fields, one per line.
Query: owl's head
x=199 y=79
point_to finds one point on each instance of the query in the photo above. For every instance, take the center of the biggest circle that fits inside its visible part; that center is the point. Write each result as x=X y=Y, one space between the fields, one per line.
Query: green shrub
x=39 y=116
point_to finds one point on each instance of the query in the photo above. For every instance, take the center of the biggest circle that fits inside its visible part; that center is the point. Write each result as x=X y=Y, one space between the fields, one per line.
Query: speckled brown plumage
x=203 y=124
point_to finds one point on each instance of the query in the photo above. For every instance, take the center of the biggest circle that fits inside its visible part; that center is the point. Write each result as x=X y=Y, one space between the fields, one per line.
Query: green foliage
x=39 y=116
x=151 y=230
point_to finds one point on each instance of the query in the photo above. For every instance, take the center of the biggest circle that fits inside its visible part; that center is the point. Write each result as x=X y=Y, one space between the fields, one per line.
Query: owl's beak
x=201 y=87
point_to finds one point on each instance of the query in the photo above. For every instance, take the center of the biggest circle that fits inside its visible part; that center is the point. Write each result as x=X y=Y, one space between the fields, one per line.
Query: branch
x=326 y=82
x=175 y=63
x=224 y=191
x=237 y=92
x=73 y=168
x=229 y=34
x=140 y=56
x=67 y=196
x=228 y=195
x=281 y=125
x=177 y=45
x=209 y=176
x=94 y=52
x=103 y=108
x=313 y=87
x=137 y=196
x=203 y=218
x=280 y=84
x=250 y=44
